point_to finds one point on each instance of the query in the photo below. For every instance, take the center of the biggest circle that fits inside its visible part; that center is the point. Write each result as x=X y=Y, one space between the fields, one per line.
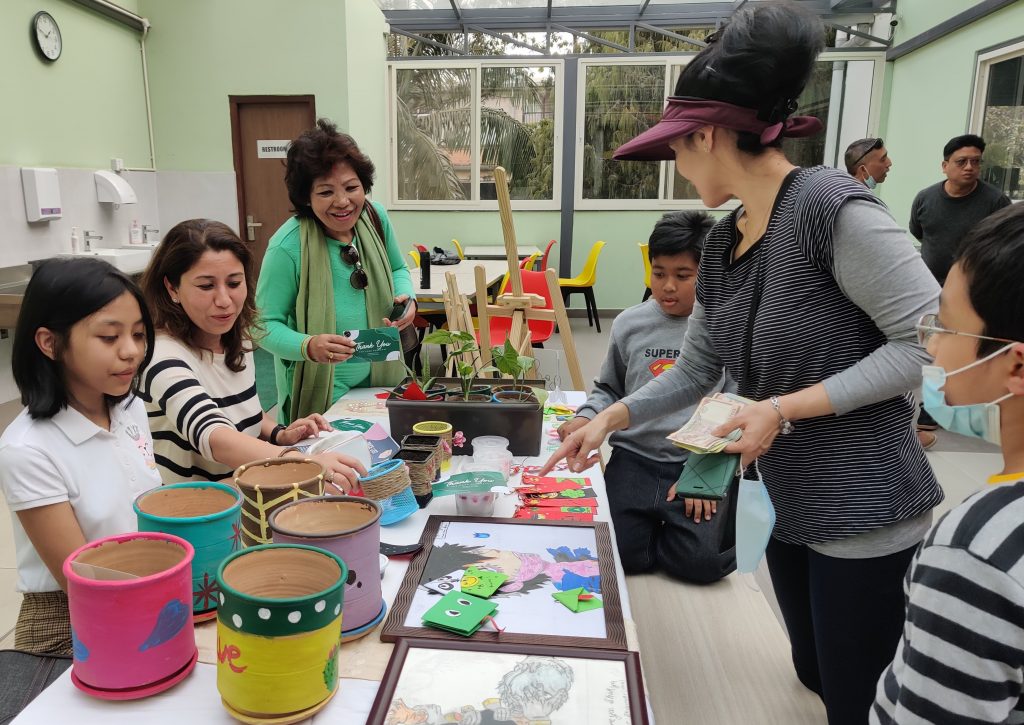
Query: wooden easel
x=518 y=306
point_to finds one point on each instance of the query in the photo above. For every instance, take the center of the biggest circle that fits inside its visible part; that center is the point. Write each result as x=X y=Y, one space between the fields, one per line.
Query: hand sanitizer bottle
x=76 y=241
x=135 y=233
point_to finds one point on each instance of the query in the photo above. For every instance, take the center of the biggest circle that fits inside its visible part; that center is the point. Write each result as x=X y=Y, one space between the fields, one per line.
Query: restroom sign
x=272 y=149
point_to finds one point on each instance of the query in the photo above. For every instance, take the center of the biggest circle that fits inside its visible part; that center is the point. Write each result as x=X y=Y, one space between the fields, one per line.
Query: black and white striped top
x=838 y=475
x=961 y=658
x=188 y=394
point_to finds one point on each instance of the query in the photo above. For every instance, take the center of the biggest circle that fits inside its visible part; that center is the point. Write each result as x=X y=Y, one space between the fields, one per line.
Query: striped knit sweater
x=961 y=658
x=188 y=394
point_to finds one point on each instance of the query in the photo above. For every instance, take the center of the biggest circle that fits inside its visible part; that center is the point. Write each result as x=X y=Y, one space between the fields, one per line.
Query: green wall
x=83 y=109
x=930 y=95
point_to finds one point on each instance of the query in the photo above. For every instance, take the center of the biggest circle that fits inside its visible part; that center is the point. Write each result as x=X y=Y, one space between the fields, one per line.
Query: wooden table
x=196 y=700
x=496 y=251
x=464 y=272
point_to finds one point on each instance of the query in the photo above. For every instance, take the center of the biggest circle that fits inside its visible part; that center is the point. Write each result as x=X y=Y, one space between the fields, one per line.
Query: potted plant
x=508 y=361
x=422 y=387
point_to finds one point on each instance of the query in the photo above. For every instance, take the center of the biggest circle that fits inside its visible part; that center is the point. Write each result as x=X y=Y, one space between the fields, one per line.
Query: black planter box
x=521 y=423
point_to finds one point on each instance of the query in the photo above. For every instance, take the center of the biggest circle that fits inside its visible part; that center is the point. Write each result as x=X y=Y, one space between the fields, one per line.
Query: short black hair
x=992 y=258
x=761 y=59
x=314 y=154
x=959 y=142
x=678 y=232
x=61 y=293
x=856 y=152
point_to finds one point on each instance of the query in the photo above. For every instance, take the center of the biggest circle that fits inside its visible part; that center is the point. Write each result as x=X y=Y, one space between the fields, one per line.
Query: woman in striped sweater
x=807 y=295
x=200 y=388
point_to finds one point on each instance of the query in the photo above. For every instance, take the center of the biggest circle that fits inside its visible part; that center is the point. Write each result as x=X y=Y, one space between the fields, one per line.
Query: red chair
x=540 y=330
x=547 y=253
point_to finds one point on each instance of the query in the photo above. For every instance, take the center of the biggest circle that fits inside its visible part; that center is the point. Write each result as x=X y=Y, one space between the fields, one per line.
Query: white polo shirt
x=70 y=458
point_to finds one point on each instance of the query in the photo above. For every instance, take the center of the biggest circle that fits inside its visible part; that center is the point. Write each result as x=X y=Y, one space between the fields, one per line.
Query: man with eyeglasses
x=867 y=160
x=943 y=213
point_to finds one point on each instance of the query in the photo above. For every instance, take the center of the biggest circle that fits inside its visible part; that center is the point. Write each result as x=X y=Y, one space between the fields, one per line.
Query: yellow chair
x=415 y=258
x=584 y=282
x=647 y=269
x=458 y=248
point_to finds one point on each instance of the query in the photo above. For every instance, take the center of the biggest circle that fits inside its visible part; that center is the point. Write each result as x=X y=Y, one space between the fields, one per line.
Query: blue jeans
x=655 y=534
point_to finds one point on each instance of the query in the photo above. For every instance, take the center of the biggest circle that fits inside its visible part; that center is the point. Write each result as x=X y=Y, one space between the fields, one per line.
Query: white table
x=497 y=251
x=196 y=700
x=464 y=272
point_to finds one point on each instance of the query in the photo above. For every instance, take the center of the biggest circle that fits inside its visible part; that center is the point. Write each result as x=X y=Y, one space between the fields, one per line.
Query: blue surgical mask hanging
x=755 y=519
x=870 y=182
x=980 y=420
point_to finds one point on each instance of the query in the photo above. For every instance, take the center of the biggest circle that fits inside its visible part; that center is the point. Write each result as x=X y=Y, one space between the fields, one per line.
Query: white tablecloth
x=196 y=700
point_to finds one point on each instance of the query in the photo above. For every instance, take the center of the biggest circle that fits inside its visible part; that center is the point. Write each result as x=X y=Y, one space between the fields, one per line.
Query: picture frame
x=546 y=556
x=488 y=676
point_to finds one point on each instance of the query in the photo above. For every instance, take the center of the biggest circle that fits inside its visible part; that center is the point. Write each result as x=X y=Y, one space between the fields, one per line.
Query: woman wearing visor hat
x=808 y=294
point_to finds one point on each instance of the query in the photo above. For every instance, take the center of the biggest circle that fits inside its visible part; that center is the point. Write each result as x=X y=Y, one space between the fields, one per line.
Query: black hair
x=315 y=153
x=761 y=59
x=856 y=152
x=992 y=258
x=61 y=293
x=678 y=232
x=959 y=142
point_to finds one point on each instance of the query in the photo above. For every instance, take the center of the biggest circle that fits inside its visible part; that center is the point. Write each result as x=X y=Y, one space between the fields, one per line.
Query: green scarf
x=313 y=383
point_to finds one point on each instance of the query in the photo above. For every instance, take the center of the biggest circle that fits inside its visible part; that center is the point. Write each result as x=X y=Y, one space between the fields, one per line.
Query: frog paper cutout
x=459 y=613
x=481 y=582
x=578 y=600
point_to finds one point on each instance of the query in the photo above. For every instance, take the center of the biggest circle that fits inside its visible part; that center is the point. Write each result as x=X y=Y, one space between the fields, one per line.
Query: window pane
x=435 y=123
x=517 y=121
x=1003 y=127
x=620 y=101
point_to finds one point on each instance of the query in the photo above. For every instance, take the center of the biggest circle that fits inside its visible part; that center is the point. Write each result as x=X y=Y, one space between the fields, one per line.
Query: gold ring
x=330 y=357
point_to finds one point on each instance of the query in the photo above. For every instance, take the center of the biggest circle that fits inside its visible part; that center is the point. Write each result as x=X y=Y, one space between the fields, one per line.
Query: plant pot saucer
x=288 y=719
x=351 y=635
x=137 y=693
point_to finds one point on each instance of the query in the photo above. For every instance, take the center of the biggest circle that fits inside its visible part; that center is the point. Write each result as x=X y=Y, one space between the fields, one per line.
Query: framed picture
x=431 y=681
x=542 y=559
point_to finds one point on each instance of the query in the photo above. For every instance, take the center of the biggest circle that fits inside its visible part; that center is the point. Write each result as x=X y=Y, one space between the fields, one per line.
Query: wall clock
x=46 y=35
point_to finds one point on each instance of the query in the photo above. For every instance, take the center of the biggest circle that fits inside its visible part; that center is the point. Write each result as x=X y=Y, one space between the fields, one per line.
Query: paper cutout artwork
x=446 y=583
x=459 y=613
x=578 y=600
x=481 y=582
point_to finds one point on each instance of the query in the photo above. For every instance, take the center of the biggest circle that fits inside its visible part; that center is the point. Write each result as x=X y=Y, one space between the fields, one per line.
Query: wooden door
x=261 y=126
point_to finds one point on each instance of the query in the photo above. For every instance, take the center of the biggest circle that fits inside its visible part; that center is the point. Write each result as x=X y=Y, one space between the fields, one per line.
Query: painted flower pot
x=279 y=631
x=269 y=484
x=131 y=619
x=514 y=396
x=444 y=431
x=346 y=526
x=206 y=515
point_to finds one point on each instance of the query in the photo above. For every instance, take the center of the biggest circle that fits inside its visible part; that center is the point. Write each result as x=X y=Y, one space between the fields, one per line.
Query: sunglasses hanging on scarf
x=350 y=256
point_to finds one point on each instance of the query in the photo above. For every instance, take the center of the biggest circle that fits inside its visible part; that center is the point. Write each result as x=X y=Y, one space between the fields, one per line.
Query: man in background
x=867 y=160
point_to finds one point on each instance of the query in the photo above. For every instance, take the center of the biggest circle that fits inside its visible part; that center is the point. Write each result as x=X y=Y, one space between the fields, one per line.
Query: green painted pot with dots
x=278 y=631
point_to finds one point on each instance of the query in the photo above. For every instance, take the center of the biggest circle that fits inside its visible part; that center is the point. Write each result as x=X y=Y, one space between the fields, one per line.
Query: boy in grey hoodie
x=689 y=539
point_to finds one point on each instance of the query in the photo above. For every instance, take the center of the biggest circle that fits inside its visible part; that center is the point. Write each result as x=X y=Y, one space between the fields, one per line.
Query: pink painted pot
x=130 y=599
x=349 y=527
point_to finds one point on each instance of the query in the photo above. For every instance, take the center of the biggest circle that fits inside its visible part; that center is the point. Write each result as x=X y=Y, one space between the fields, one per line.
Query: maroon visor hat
x=683 y=116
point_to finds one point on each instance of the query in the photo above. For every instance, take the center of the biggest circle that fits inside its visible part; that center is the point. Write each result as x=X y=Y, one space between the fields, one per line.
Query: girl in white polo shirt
x=77 y=455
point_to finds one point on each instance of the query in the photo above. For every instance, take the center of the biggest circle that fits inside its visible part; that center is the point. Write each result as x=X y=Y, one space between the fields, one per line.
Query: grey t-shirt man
x=941 y=221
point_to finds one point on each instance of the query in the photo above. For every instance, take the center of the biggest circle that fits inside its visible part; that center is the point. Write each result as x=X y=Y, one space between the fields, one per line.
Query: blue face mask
x=755 y=519
x=870 y=182
x=980 y=420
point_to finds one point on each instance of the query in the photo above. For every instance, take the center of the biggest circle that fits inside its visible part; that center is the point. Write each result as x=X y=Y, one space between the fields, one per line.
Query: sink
x=129 y=261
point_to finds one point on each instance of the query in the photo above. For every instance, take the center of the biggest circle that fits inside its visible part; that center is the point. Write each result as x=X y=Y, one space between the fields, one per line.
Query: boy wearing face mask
x=867 y=160
x=961 y=658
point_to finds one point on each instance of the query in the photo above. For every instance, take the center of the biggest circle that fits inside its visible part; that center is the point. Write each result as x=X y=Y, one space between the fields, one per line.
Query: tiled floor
x=712 y=655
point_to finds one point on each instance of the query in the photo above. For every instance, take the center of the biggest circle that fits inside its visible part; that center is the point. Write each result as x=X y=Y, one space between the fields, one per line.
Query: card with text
x=380 y=344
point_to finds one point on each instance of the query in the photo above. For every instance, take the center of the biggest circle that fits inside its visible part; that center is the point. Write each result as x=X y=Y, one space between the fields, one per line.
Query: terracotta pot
x=129 y=598
x=349 y=527
x=206 y=515
x=269 y=484
x=279 y=631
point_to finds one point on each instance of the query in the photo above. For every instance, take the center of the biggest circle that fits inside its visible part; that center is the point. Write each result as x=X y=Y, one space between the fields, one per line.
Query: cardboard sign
x=472 y=482
x=380 y=344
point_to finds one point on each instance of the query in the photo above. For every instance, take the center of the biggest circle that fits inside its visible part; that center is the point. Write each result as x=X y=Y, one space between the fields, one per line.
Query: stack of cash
x=696 y=436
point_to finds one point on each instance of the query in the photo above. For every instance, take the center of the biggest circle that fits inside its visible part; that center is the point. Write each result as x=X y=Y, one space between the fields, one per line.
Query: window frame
x=983 y=62
x=553 y=204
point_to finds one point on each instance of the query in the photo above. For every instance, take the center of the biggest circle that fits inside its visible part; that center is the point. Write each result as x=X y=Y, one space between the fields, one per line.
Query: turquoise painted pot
x=205 y=514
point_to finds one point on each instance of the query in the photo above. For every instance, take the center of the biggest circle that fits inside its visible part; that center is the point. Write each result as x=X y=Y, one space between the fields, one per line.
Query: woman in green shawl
x=334 y=266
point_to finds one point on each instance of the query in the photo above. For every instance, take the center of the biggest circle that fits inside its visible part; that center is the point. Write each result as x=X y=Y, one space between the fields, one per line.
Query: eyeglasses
x=350 y=256
x=876 y=143
x=965 y=160
x=928 y=326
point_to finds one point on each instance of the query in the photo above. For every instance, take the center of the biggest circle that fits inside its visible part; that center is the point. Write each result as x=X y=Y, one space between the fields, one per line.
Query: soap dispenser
x=76 y=241
x=135 y=233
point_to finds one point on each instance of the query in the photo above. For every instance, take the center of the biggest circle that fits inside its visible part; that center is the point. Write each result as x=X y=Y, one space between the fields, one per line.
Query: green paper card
x=460 y=613
x=380 y=344
x=578 y=600
x=481 y=582
x=471 y=482
x=356 y=424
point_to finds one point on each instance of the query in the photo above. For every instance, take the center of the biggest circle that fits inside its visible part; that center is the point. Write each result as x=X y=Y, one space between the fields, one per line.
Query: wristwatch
x=272 y=438
x=785 y=426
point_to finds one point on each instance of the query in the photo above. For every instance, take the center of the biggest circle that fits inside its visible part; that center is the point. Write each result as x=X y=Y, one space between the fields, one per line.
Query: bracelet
x=292 y=449
x=304 y=348
x=274 y=433
x=785 y=425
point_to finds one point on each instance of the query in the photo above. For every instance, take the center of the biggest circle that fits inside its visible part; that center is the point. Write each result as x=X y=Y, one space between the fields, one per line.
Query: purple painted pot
x=349 y=527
